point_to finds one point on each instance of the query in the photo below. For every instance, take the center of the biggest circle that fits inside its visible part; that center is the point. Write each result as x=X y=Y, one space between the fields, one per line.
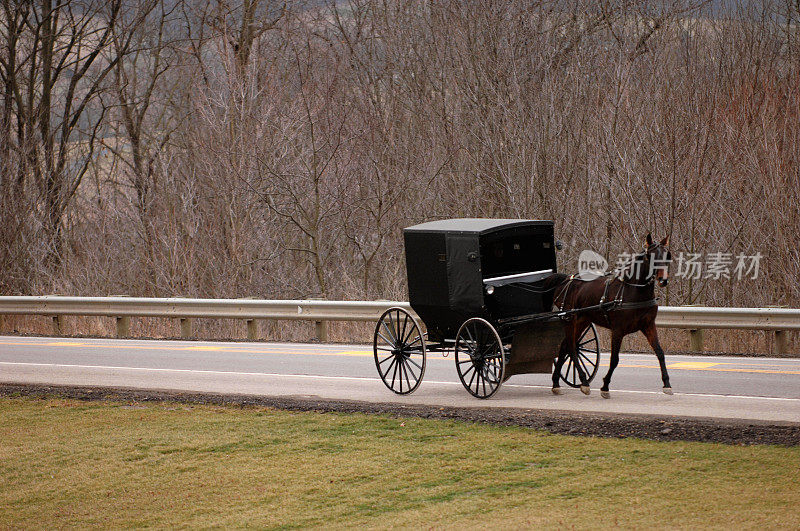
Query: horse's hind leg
x=569 y=348
x=562 y=357
x=616 y=344
x=577 y=330
x=652 y=337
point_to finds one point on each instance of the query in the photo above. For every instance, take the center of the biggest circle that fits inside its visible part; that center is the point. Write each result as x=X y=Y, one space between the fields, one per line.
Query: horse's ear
x=665 y=241
x=648 y=241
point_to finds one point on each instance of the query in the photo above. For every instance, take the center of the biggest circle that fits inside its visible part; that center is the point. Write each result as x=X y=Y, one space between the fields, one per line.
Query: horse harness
x=606 y=306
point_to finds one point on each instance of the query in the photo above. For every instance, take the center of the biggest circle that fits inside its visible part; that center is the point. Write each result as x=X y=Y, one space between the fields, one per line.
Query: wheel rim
x=480 y=358
x=399 y=351
x=588 y=357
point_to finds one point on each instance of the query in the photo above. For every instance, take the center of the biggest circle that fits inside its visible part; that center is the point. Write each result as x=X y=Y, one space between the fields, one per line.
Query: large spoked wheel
x=399 y=348
x=480 y=357
x=588 y=357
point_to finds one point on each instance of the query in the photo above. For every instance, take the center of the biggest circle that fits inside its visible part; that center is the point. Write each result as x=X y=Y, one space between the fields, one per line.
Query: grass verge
x=67 y=463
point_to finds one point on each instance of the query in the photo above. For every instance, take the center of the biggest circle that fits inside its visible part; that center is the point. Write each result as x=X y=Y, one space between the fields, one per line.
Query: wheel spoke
x=417 y=365
x=583 y=366
x=593 y=340
x=491 y=374
x=480 y=347
x=497 y=367
x=474 y=373
x=466 y=373
x=417 y=339
x=394 y=374
x=472 y=349
x=397 y=327
x=411 y=329
x=466 y=347
x=389 y=368
x=466 y=329
x=402 y=334
x=587 y=358
x=404 y=368
x=390 y=356
x=388 y=342
x=394 y=339
x=411 y=372
x=400 y=364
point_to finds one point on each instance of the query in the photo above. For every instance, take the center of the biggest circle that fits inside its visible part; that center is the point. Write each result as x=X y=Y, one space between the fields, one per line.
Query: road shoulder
x=725 y=431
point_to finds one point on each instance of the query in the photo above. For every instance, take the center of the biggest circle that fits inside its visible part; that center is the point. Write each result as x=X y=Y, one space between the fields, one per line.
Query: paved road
x=763 y=389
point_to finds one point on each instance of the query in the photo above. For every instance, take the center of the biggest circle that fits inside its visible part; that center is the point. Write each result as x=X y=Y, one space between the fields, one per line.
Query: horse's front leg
x=616 y=344
x=651 y=334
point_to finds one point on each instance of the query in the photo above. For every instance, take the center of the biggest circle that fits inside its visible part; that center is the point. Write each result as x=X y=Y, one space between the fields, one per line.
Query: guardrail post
x=780 y=342
x=322 y=331
x=252 y=329
x=696 y=340
x=58 y=322
x=186 y=327
x=123 y=326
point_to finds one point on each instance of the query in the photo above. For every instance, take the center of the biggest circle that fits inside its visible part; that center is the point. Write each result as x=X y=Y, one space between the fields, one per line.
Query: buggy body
x=451 y=263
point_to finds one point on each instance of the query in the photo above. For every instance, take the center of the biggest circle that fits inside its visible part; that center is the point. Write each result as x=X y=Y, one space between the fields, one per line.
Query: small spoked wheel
x=588 y=357
x=399 y=348
x=480 y=357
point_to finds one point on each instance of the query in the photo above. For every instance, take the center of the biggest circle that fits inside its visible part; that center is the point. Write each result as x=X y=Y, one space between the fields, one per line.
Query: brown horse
x=623 y=302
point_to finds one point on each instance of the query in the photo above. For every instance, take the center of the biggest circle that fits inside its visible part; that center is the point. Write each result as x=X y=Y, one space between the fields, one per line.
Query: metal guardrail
x=123 y=308
x=692 y=318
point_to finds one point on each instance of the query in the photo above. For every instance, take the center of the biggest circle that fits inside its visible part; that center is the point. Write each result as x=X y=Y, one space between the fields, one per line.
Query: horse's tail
x=555 y=287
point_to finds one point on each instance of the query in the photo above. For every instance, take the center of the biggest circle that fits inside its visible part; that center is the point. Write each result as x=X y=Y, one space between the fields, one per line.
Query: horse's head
x=659 y=258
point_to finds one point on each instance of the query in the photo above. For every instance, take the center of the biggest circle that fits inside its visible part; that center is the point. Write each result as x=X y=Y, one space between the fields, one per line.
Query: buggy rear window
x=502 y=255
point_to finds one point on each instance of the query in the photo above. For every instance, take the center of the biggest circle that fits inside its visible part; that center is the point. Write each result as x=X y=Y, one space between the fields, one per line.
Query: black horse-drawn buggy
x=480 y=288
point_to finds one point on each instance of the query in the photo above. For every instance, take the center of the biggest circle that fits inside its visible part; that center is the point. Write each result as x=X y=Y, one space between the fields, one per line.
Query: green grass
x=101 y=464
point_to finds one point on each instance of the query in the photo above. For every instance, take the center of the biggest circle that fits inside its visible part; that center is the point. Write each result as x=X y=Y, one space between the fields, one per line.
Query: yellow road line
x=63 y=344
x=272 y=350
x=692 y=365
x=711 y=369
x=688 y=365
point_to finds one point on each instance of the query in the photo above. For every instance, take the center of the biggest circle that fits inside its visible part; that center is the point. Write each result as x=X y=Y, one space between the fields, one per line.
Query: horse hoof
x=668 y=390
x=585 y=389
x=557 y=391
x=605 y=394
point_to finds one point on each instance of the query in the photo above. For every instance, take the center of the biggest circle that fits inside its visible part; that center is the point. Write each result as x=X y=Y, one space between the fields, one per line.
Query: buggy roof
x=475 y=225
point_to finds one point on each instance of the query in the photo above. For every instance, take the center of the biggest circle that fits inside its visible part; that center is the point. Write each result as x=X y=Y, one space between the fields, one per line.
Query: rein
x=616 y=304
x=604 y=305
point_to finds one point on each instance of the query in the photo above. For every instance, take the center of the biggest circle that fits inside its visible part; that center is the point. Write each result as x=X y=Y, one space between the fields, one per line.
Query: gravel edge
x=724 y=431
